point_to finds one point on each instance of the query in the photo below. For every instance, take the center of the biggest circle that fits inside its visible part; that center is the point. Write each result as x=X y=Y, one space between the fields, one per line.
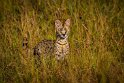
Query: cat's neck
x=62 y=41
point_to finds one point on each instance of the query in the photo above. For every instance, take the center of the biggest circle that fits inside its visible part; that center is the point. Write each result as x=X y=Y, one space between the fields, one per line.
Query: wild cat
x=58 y=47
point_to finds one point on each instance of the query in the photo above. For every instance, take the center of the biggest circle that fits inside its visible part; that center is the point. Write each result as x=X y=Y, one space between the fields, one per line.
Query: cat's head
x=62 y=30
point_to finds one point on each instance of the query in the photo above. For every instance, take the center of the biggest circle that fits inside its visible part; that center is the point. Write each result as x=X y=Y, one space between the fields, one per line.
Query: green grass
x=96 y=41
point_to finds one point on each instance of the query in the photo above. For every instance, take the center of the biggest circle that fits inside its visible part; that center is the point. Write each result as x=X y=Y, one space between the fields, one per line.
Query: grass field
x=96 y=41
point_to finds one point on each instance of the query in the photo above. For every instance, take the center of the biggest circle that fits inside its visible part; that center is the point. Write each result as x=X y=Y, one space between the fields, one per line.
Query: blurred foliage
x=96 y=41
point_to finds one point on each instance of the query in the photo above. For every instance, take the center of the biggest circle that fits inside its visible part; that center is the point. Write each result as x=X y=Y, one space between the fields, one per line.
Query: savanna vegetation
x=96 y=41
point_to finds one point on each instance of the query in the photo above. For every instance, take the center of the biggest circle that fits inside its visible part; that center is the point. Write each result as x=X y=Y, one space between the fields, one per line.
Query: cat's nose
x=63 y=34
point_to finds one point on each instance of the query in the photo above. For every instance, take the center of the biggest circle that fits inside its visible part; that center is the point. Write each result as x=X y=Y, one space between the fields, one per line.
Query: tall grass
x=96 y=41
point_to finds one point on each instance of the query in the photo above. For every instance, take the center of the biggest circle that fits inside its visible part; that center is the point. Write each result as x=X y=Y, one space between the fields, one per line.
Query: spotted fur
x=58 y=47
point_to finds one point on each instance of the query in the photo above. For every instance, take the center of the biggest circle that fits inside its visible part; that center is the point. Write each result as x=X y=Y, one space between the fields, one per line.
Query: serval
x=58 y=47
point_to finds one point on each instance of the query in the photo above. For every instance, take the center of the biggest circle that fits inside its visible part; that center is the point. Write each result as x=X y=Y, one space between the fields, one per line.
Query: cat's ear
x=67 y=22
x=58 y=24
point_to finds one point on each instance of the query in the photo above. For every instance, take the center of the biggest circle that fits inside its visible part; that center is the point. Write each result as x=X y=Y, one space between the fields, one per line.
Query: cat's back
x=45 y=47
